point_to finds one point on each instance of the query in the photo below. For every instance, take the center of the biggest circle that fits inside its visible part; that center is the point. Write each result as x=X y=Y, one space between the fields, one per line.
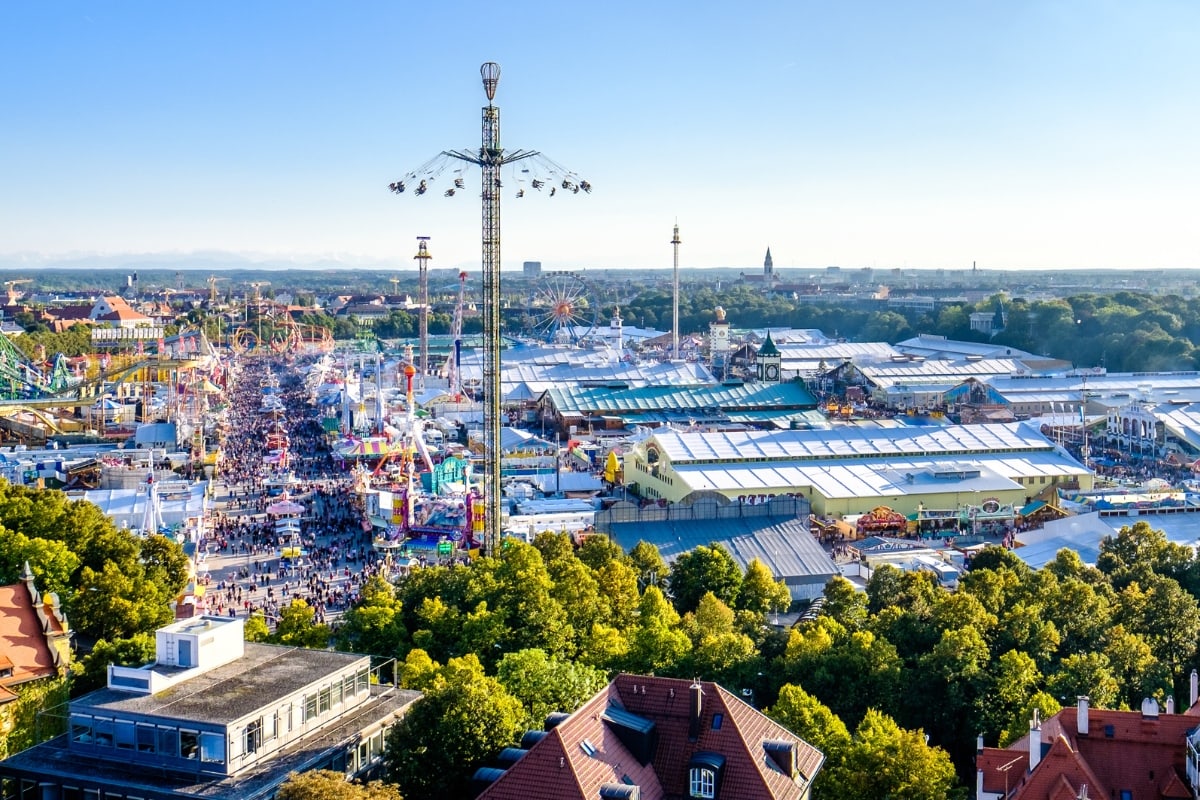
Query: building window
x=212 y=748
x=252 y=739
x=325 y=697
x=103 y=731
x=348 y=686
x=702 y=783
x=168 y=742
x=81 y=730
x=364 y=680
x=310 y=707
x=189 y=744
x=124 y=734
x=146 y=736
x=271 y=727
x=337 y=693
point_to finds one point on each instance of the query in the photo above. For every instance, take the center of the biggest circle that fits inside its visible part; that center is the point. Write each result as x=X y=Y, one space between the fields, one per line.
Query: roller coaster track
x=86 y=393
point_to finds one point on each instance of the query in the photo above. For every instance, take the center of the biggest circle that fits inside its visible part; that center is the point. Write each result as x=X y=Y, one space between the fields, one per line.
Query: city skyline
x=1028 y=135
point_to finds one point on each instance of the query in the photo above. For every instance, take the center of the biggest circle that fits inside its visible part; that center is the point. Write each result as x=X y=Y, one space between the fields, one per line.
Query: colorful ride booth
x=881 y=521
x=434 y=514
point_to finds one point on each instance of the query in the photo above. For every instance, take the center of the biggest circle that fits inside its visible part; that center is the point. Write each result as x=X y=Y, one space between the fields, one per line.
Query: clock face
x=772 y=371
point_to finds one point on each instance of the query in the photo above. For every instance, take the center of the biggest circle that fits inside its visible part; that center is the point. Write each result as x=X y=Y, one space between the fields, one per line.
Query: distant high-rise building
x=532 y=269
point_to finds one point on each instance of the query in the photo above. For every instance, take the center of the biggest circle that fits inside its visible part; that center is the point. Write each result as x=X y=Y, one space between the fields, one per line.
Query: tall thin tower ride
x=543 y=174
x=675 y=299
x=422 y=258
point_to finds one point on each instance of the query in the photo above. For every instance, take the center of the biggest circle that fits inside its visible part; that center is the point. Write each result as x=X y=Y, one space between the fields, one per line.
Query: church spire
x=768 y=266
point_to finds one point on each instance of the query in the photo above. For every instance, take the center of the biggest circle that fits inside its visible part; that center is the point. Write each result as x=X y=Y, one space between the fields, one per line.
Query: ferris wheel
x=563 y=309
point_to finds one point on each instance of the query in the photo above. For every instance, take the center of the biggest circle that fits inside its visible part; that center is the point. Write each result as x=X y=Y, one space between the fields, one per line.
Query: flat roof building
x=852 y=470
x=213 y=717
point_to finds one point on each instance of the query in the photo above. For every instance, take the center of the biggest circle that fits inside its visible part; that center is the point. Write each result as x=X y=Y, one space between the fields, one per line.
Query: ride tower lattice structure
x=538 y=173
x=422 y=258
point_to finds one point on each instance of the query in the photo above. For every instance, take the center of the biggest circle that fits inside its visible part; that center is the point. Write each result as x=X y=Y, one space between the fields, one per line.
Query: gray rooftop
x=785 y=546
x=266 y=674
x=54 y=759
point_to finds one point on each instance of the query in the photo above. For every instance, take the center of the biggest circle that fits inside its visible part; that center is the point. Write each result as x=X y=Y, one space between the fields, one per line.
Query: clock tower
x=768 y=361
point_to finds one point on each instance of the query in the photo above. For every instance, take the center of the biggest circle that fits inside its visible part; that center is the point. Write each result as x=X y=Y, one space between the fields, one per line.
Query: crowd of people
x=265 y=566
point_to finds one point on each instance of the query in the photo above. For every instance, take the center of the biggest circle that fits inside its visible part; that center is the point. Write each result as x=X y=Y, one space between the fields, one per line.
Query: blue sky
x=920 y=134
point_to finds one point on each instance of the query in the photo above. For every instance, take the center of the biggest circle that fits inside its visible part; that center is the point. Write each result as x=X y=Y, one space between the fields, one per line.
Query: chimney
x=979 y=743
x=1193 y=689
x=978 y=784
x=1170 y=704
x=1035 y=740
x=1081 y=715
x=695 y=705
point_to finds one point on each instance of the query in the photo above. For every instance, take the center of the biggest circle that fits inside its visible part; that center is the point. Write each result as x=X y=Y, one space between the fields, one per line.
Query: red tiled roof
x=125 y=314
x=22 y=638
x=76 y=313
x=1121 y=751
x=559 y=766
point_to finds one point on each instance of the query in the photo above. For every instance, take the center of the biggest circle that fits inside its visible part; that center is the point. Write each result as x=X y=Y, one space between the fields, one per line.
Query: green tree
x=374 y=624
x=1134 y=666
x=521 y=596
x=1018 y=723
x=651 y=569
x=704 y=569
x=597 y=551
x=885 y=760
x=112 y=604
x=1085 y=674
x=1166 y=615
x=418 y=671
x=604 y=647
x=298 y=627
x=543 y=684
x=1014 y=681
x=459 y=724
x=51 y=562
x=760 y=592
x=656 y=642
x=326 y=784
x=165 y=563
x=619 y=598
x=256 y=628
x=845 y=603
x=811 y=720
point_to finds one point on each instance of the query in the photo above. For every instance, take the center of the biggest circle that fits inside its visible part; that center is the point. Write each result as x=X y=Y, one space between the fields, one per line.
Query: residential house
x=115 y=312
x=1082 y=752
x=35 y=650
x=649 y=738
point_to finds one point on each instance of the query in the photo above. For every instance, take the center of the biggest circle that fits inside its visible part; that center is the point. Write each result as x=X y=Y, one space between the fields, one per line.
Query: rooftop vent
x=483 y=778
x=531 y=738
x=509 y=756
x=620 y=791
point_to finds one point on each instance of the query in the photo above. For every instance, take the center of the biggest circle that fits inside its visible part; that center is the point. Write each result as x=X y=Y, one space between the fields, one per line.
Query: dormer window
x=702 y=782
x=704 y=775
